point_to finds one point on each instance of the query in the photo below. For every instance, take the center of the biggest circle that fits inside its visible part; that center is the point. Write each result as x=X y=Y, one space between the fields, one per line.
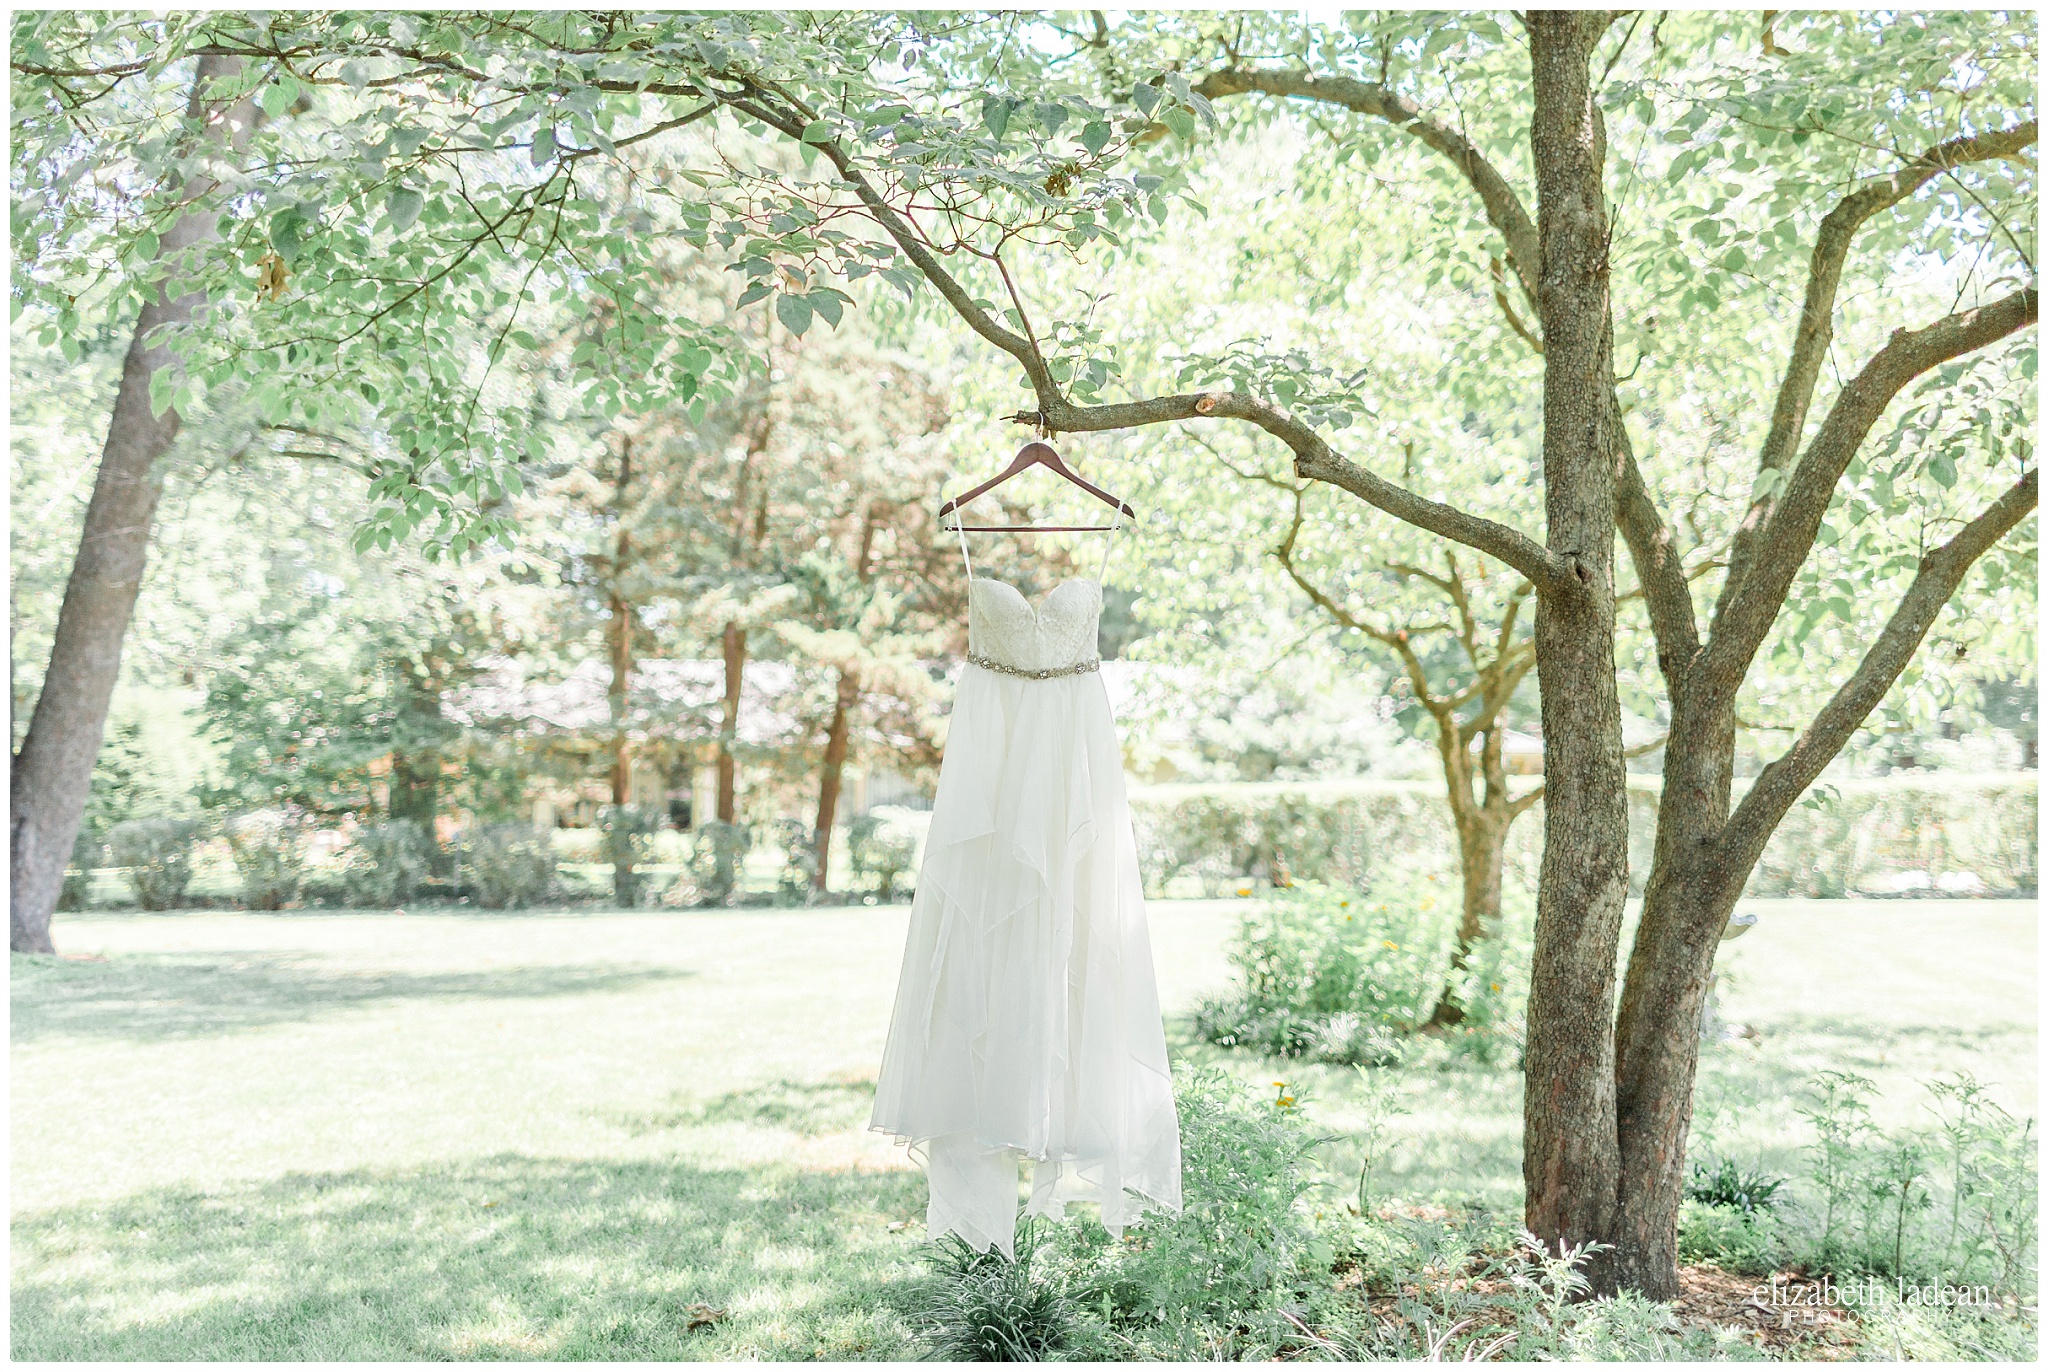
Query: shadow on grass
x=150 y=997
x=810 y=1108
x=507 y=1257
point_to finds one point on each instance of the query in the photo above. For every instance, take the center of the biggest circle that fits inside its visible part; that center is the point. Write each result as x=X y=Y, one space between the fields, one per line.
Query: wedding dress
x=1027 y=1027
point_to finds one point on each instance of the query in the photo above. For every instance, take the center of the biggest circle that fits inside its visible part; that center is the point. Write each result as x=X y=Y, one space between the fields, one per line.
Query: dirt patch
x=1784 y=1312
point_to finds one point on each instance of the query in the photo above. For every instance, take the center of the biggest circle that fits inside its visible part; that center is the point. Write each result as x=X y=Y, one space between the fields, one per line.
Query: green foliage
x=717 y=851
x=1225 y=835
x=629 y=832
x=158 y=856
x=1956 y=1204
x=1335 y=975
x=879 y=852
x=1753 y=1242
x=1874 y=836
x=269 y=852
x=984 y=1307
x=1726 y=1185
x=87 y=852
x=387 y=862
x=1926 y=1331
x=1203 y=1283
x=509 y=866
x=798 y=842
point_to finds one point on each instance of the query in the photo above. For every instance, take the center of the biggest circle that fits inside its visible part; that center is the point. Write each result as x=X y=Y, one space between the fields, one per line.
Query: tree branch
x=1314 y=459
x=1816 y=316
x=1941 y=573
x=1659 y=570
x=1743 y=619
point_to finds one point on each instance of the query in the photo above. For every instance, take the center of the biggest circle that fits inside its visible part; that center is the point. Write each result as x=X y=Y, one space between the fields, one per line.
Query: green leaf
x=145 y=246
x=795 y=313
x=543 y=147
x=995 y=112
x=276 y=100
x=1095 y=136
x=285 y=229
x=817 y=131
x=1145 y=96
x=404 y=205
x=1181 y=121
x=827 y=305
x=1052 y=114
x=1943 y=469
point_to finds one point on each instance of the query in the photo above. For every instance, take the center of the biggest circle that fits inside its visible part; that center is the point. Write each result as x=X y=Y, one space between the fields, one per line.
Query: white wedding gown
x=1027 y=1023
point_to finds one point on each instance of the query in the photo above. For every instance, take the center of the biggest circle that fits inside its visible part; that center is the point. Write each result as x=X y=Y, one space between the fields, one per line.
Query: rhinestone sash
x=1029 y=674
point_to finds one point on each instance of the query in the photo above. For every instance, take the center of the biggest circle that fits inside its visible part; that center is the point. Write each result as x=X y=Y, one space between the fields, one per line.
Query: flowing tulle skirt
x=1027 y=1024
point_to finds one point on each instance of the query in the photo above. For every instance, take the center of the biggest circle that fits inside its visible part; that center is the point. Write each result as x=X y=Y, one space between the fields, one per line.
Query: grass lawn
x=338 y=1136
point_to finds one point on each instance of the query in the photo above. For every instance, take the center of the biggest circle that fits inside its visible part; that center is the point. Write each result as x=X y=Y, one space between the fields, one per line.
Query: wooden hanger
x=1034 y=454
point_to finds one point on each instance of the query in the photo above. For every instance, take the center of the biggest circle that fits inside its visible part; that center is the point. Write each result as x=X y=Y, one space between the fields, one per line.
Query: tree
x=52 y=769
x=1608 y=1103
x=874 y=581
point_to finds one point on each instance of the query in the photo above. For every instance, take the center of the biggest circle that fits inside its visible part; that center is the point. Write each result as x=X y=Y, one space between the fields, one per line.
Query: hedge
x=1914 y=833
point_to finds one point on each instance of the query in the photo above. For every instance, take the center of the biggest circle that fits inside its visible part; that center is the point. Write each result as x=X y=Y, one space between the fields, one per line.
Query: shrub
x=86 y=853
x=880 y=850
x=1335 y=976
x=386 y=863
x=1728 y=1186
x=511 y=866
x=1745 y=1242
x=1211 y=1279
x=629 y=832
x=717 y=859
x=799 y=844
x=1876 y=836
x=158 y=856
x=269 y=852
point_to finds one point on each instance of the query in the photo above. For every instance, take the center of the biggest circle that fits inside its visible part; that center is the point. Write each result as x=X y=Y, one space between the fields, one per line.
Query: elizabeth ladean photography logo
x=1870 y=1291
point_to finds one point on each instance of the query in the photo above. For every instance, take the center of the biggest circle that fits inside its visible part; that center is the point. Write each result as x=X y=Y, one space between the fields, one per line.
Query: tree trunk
x=618 y=694
x=1686 y=904
x=52 y=773
x=834 y=769
x=1570 y=1155
x=415 y=779
x=735 y=645
x=1482 y=853
x=843 y=704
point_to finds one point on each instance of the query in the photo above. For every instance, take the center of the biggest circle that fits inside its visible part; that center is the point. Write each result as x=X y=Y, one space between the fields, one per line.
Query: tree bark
x=734 y=643
x=844 y=701
x=834 y=769
x=52 y=772
x=1570 y=1153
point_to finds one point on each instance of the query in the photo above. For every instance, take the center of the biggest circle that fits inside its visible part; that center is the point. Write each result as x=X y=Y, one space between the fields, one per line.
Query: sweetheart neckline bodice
x=1055 y=631
x=1049 y=594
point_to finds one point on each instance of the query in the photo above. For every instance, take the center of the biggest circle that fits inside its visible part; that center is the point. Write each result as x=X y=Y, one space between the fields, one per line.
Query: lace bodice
x=1059 y=631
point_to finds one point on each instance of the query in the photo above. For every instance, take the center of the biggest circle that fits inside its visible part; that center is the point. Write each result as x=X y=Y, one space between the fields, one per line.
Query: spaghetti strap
x=1109 y=544
x=963 y=546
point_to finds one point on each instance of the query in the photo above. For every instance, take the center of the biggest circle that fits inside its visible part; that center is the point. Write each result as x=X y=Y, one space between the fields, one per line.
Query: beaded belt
x=1041 y=674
